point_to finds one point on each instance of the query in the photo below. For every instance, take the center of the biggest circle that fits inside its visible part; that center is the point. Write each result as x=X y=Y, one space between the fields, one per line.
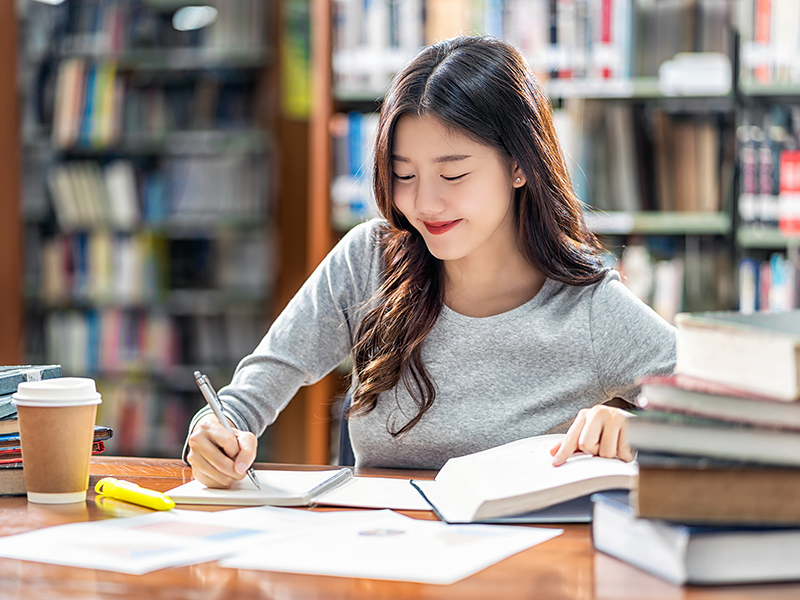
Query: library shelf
x=659 y=223
x=152 y=60
x=633 y=88
x=766 y=238
x=769 y=90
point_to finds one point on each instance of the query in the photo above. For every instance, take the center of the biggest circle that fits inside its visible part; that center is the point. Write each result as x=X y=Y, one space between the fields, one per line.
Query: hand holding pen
x=211 y=398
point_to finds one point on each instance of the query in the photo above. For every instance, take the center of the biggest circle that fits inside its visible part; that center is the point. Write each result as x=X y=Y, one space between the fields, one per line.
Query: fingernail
x=240 y=467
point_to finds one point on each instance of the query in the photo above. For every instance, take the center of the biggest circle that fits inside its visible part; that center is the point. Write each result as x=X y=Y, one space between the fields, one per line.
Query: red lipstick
x=440 y=227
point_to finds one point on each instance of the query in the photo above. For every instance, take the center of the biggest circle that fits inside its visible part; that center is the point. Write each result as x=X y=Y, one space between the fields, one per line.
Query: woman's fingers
x=219 y=457
x=599 y=431
x=248 y=445
x=570 y=442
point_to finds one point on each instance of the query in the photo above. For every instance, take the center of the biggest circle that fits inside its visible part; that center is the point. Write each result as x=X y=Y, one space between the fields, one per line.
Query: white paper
x=386 y=545
x=376 y=492
x=358 y=492
x=157 y=540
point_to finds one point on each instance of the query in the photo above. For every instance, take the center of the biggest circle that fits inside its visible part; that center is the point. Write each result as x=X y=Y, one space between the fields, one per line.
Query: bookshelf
x=150 y=204
x=691 y=247
x=768 y=154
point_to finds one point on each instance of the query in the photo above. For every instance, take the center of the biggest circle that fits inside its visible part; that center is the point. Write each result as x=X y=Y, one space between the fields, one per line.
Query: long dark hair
x=481 y=87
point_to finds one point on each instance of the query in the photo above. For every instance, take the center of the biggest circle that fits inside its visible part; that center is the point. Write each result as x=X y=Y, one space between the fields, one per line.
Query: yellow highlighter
x=130 y=492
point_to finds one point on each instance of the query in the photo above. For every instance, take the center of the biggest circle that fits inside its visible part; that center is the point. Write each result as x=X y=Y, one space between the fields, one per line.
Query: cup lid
x=61 y=391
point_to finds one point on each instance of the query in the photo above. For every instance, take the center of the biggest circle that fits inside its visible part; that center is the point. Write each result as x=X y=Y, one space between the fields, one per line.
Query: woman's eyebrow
x=438 y=159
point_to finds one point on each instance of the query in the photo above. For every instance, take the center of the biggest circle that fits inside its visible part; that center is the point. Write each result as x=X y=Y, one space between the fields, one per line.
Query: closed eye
x=456 y=178
x=403 y=177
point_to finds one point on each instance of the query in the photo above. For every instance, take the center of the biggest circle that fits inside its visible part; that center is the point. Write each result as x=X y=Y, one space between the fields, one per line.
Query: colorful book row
x=590 y=40
x=103 y=267
x=353 y=139
x=769 y=285
x=97 y=106
x=117 y=341
x=120 y=196
x=114 y=26
x=770 y=36
x=769 y=161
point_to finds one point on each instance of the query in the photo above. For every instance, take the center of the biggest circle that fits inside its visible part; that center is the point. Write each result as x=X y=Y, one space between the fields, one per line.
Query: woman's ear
x=518 y=177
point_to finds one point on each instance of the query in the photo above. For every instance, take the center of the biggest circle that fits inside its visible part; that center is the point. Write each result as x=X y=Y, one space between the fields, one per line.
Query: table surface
x=566 y=567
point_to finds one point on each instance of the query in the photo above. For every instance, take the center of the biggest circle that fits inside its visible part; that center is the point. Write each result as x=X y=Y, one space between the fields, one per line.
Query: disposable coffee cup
x=56 y=424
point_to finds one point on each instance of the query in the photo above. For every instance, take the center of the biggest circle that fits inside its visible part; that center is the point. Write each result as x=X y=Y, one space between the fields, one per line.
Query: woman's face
x=457 y=192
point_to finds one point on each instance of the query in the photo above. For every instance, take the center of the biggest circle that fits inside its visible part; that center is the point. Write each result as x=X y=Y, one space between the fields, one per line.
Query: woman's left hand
x=599 y=431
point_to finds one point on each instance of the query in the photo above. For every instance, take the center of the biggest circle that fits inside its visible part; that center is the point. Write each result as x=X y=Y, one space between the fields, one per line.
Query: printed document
x=386 y=545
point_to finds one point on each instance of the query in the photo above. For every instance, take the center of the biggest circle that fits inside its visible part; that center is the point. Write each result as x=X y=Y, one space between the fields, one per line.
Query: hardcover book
x=12 y=376
x=683 y=554
x=518 y=478
x=758 y=353
x=683 y=394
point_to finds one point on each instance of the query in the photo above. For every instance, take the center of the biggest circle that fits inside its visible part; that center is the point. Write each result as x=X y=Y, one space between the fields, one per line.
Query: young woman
x=477 y=311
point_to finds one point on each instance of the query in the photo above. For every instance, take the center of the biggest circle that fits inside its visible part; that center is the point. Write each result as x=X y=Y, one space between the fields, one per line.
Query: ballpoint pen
x=211 y=398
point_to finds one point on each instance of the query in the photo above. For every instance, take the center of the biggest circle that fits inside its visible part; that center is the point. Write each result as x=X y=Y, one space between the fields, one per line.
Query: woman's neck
x=486 y=288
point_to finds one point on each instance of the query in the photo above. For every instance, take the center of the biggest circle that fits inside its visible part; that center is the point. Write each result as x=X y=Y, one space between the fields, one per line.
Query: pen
x=211 y=398
x=130 y=492
x=338 y=479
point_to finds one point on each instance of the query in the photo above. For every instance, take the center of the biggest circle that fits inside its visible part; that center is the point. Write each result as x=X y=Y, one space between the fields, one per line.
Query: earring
x=518 y=180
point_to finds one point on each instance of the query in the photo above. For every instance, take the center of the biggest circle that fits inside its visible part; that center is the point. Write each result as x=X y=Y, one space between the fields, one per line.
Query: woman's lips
x=440 y=227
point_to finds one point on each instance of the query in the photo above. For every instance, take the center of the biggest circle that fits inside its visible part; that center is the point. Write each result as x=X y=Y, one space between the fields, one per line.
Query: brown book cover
x=746 y=495
x=12 y=481
x=708 y=175
x=685 y=162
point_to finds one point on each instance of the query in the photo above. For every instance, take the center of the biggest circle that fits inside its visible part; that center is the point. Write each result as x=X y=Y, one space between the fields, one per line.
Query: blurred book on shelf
x=769 y=285
x=673 y=276
x=769 y=163
x=641 y=158
x=770 y=33
x=353 y=139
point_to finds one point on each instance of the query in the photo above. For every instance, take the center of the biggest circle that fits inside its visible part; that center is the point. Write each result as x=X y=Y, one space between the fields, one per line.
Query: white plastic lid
x=62 y=391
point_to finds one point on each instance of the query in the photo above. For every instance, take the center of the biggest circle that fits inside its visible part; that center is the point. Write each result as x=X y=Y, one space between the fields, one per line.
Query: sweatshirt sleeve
x=629 y=339
x=313 y=334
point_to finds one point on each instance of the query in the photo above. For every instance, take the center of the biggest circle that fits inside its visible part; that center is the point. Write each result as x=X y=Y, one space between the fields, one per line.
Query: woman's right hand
x=220 y=458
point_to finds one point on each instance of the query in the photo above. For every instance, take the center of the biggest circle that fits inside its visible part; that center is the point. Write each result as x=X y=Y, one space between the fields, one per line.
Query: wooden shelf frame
x=11 y=259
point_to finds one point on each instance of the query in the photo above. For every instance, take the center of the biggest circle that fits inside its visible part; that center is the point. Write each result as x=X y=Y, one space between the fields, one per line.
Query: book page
x=525 y=467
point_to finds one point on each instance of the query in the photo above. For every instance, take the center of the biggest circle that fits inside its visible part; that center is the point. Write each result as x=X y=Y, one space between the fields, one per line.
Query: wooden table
x=563 y=568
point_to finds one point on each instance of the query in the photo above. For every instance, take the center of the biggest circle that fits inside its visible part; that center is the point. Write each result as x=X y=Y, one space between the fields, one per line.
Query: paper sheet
x=386 y=545
x=376 y=492
x=157 y=540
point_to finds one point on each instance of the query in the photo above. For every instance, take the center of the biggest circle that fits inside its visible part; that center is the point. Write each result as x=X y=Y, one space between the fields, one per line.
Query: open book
x=518 y=478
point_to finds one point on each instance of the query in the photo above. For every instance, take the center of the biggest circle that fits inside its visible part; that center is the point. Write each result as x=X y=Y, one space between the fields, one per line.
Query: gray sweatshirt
x=524 y=372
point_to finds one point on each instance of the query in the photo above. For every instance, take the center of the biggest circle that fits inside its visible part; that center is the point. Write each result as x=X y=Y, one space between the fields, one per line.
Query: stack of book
x=12 y=482
x=11 y=476
x=718 y=448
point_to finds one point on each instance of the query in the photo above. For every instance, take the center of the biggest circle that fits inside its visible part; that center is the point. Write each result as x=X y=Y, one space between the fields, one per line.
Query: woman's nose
x=429 y=199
